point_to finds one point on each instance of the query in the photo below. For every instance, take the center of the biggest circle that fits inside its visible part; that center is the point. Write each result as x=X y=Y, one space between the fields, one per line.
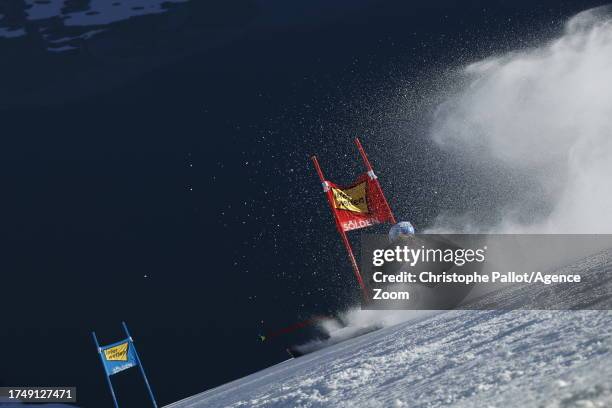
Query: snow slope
x=461 y=358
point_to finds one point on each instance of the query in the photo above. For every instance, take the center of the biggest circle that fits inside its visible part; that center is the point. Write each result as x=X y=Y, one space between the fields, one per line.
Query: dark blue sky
x=175 y=146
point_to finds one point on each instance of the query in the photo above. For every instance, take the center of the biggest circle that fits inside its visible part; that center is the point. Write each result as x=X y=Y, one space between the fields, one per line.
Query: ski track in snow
x=459 y=358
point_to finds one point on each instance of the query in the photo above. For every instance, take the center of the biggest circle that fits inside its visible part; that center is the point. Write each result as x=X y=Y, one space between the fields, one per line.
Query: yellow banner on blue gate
x=118 y=356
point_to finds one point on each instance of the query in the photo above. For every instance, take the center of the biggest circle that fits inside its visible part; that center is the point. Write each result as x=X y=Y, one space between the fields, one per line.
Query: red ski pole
x=341 y=231
x=373 y=177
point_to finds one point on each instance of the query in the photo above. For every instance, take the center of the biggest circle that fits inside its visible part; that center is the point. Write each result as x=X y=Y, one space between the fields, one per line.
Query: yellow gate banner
x=352 y=199
x=119 y=356
x=117 y=353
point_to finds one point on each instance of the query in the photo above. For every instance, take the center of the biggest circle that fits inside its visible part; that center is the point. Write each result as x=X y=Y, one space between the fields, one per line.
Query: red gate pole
x=347 y=244
x=373 y=176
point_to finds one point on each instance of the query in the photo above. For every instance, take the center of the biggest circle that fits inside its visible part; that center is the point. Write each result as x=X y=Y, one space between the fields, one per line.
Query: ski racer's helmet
x=401 y=229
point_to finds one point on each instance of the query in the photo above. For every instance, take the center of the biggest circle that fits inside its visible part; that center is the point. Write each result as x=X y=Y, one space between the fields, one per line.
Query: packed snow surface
x=459 y=358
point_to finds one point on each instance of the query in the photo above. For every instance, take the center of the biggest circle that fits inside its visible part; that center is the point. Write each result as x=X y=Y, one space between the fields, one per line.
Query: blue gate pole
x=140 y=366
x=110 y=384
